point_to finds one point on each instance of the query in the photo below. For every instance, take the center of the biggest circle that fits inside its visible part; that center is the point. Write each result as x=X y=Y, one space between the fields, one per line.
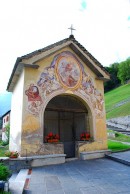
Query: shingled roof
x=73 y=43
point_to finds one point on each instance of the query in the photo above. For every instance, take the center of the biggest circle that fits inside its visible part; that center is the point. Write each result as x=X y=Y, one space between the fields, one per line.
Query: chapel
x=58 y=101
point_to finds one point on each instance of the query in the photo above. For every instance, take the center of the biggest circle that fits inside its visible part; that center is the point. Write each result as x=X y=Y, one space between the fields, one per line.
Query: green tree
x=124 y=71
x=114 y=80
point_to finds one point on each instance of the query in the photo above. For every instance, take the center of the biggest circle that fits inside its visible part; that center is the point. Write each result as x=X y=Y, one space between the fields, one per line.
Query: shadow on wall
x=15 y=142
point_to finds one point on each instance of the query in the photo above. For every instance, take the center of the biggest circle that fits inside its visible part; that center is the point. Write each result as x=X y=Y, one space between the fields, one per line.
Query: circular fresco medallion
x=68 y=72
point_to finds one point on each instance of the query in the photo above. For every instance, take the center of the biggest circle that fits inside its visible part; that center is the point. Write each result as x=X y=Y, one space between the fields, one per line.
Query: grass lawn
x=117 y=146
x=123 y=110
x=119 y=136
x=3 y=150
x=115 y=96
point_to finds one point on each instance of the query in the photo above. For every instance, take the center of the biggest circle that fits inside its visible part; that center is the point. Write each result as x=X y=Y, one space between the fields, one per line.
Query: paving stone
x=37 y=189
x=102 y=176
x=72 y=191
x=56 y=192
x=70 y=185
x=52 y=183
x=92 y=190
x=65 y=178
x=37 y=179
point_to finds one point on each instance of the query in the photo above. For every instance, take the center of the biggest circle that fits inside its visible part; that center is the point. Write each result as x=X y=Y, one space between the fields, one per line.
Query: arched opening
x=67 y=116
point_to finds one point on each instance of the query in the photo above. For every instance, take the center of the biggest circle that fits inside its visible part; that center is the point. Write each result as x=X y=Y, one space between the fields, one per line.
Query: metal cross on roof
x=71 y=28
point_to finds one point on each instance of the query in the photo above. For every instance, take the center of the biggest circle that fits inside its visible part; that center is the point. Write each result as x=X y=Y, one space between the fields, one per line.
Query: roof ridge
x=90 y=55
x=51 y=46
x=44 y=48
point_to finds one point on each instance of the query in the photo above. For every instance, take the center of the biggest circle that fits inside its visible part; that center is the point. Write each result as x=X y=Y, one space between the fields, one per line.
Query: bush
x=4 y=172
x=117 y=134
x=4 y=143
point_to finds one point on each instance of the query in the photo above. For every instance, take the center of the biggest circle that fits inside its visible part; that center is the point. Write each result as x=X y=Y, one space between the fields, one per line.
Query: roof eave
x=5 y=113
x=17 y=72
x=12 y=74
x=87 y=58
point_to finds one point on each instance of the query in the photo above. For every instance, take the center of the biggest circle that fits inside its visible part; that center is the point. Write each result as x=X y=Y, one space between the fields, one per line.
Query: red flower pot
x=50 y=140
x=55 y=140
x=13 y=156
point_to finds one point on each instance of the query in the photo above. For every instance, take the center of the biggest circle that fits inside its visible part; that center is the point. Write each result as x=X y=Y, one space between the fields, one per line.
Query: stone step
x=70 y=159
x=118 y=159
x=120 y=126
x=13 y=177
x=93 y=154
x=17 y=186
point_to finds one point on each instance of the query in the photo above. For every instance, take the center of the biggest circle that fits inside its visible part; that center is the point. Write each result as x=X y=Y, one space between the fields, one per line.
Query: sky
x=102 y=27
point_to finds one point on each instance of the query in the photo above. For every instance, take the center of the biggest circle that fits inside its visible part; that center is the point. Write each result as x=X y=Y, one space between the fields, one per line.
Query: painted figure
x=48 y=82
x=34 y=99
x=69 y=72
x=65 y=72
x=92 y=94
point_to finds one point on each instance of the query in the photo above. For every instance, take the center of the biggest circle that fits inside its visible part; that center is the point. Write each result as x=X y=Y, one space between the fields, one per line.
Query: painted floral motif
x=34 y=99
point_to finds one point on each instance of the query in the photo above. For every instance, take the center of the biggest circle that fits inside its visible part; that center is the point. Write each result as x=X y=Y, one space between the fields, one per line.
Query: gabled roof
x=31 y=59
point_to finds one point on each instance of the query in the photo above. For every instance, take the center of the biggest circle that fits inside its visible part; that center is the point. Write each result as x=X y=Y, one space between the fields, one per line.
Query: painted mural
x=34 y=99
x=93 y=95
x=64 y=73
x=68 y=72
x=48 y=82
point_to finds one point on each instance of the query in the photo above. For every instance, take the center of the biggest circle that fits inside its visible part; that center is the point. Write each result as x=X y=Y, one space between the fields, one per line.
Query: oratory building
x=58 y=101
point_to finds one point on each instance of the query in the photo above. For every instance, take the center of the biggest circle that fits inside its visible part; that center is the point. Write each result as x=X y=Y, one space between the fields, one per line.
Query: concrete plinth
x=19 y=163
x=93 y=154
x=47 y=160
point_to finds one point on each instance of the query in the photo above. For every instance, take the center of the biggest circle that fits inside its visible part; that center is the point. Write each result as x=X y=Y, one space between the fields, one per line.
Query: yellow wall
x=32 y=124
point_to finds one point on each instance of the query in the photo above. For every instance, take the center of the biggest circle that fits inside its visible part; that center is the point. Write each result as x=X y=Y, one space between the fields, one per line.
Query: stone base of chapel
x=94 y=154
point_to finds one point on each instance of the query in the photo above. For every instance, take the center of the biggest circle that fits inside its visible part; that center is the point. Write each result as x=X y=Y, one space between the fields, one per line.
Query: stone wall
x=42 y=149
x=15 y=165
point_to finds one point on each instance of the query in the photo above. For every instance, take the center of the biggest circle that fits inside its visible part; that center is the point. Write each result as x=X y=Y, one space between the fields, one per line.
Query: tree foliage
x=114 y=80
x=124 y=71
x=119 y=74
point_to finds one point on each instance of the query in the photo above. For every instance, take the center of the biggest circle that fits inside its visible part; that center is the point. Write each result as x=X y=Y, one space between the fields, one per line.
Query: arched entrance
x=68 y=117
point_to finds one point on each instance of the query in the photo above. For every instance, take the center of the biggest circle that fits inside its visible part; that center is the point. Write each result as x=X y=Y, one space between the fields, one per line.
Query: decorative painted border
x=78 y=68
x=49 y=82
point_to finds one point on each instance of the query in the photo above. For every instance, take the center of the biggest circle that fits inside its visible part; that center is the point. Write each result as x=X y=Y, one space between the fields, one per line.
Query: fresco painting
x=34 y=99
x=92 y=94
x=68 y=71
x=65 y=72
x=48 y=82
